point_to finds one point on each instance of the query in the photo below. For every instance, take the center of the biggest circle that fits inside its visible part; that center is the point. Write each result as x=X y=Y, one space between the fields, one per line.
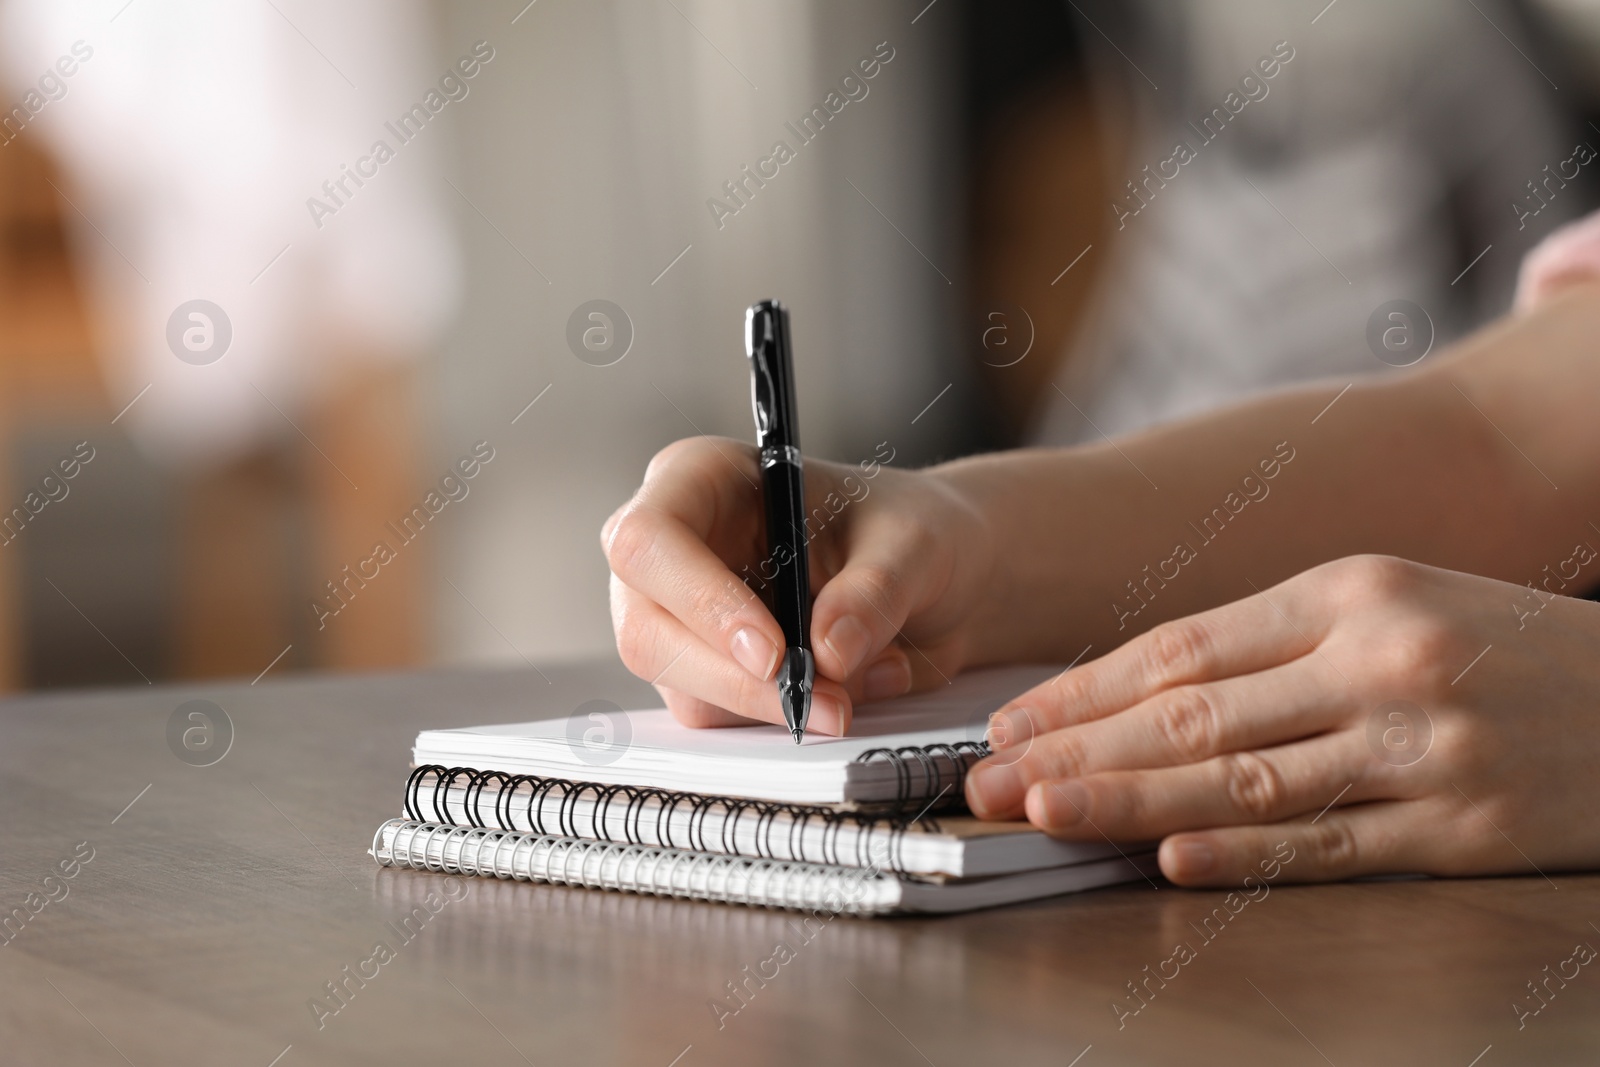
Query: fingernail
x=1066 y=804
x=890 y=678
x=994 y=788
x=1008 y=727
x=755 y=653
x=848 y=640
x=1195 y=858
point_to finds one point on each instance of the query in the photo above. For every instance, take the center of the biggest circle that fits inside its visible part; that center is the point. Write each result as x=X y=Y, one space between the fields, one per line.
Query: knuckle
x=920 y=540
x=1375 y=578
x=632 y=645
x=878 y=586
x=1486 y=813
x=730 y=604
x=1058 y=755
x=1061 y=701
x=1177 y=650
x=605 y=528
x=1130 y=808
x=1422 y=656
x=705 y=457
x=687 y=451
x=714 y=609
x=1189 y=723
x=1470 y=747
x=1254 y=786
x=635 y=633
x=635 y=642
x=1334 y=847
x=633 y=539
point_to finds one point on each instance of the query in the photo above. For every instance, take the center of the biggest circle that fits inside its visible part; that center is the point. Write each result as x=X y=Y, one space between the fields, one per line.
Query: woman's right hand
x=901 y=570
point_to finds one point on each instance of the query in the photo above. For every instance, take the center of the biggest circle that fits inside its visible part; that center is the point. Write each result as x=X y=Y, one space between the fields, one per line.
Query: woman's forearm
x=1486 y=459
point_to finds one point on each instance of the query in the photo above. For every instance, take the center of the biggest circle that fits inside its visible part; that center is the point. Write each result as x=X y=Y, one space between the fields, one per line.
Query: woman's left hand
x=1380 y=716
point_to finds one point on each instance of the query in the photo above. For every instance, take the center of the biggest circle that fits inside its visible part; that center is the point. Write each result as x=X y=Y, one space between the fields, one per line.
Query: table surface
x=220 y=900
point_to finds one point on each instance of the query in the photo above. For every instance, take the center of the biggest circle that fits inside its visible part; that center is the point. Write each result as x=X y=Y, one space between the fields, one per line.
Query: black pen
x=766 y=341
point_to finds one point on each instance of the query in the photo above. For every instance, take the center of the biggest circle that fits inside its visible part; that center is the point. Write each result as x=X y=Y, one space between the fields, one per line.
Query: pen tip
x=798 y=734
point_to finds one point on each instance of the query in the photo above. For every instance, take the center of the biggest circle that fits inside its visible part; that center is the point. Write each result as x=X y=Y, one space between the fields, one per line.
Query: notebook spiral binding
x=924 y=779
x=631 y=868
x=524 y=803
x=930 y=777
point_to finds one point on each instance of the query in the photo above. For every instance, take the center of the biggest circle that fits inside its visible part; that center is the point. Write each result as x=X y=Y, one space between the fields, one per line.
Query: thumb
x=862 y=611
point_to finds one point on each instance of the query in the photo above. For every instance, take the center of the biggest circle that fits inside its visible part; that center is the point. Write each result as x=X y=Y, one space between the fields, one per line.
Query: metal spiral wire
x=633 y=868
x=927 y=774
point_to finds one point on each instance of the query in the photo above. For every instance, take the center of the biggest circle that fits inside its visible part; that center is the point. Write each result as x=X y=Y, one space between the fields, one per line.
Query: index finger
x=1263 y=630
x=698 y=496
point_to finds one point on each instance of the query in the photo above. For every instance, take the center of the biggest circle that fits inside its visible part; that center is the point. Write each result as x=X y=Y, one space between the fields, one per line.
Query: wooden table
x=220 y=900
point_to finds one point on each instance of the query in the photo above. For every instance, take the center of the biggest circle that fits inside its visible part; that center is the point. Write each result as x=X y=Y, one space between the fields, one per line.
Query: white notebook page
x=649 y=748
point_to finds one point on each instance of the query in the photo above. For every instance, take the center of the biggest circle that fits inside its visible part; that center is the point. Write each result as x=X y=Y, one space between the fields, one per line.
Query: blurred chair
x=220 y=585
x=228 y=496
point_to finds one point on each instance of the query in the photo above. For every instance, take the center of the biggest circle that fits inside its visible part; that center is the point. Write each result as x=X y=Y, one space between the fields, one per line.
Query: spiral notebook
x=899 y=752
x=860 y=824
x=725 y=879
x=905 y=842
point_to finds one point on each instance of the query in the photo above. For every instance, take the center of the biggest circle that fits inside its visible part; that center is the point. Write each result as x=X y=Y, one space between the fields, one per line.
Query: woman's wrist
x=983 y=486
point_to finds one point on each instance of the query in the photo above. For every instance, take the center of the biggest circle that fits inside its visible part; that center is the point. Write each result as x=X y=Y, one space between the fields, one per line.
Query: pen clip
x=766 y=336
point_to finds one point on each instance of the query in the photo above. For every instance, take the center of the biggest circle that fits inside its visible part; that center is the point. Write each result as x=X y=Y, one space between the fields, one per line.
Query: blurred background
x=330 y=333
